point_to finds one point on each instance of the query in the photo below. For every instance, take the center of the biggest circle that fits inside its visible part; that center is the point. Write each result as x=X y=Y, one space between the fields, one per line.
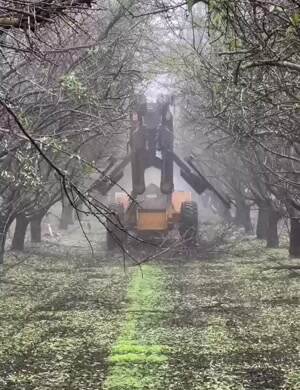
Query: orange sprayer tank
x=152 y=220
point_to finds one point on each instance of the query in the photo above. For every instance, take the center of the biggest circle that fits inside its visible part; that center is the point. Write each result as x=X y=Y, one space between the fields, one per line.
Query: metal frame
x=188 y=171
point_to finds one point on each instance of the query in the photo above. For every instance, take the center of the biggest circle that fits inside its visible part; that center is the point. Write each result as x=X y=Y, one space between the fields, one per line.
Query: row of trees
x=68 y=75
x=238 y=75
x=69 y=72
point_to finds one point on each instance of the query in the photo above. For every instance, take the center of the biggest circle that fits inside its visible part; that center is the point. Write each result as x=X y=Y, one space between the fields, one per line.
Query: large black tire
x=115 y=233
x=188 y=223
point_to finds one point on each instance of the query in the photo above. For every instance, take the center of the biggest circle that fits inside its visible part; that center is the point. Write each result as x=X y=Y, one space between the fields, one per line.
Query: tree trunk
x=262 y=223
x=272 y=231
x=36 y=228
x=242 y=216
x=66 y=215
x=3 y=232
x=294 y=249
x=20 y=232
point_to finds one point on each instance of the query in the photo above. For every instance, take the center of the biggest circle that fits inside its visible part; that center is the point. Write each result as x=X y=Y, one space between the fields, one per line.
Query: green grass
x=129 y=347
x=226 y=324
x=133 y=360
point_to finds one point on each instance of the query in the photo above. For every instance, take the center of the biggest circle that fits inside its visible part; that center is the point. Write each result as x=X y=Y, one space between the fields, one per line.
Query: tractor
x=151 y=211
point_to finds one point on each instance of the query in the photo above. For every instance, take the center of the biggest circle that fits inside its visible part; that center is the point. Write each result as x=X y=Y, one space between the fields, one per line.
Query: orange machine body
x=155 y=219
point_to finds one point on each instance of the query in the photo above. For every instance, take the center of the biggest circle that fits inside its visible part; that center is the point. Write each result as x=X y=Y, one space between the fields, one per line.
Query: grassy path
x=69 y=323
x=138 y=359
x=228 y=324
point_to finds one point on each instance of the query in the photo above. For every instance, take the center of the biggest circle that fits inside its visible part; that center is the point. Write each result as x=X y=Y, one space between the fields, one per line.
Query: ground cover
x=138 y=360
x=226 y=323
x=236 y=322
x=59 y=318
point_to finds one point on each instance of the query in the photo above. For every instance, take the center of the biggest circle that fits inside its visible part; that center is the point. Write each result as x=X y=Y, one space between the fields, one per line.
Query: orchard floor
x=69 y=321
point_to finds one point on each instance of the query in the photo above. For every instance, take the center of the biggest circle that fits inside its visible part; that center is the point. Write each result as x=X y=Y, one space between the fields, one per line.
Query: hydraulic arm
x=152 y=145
